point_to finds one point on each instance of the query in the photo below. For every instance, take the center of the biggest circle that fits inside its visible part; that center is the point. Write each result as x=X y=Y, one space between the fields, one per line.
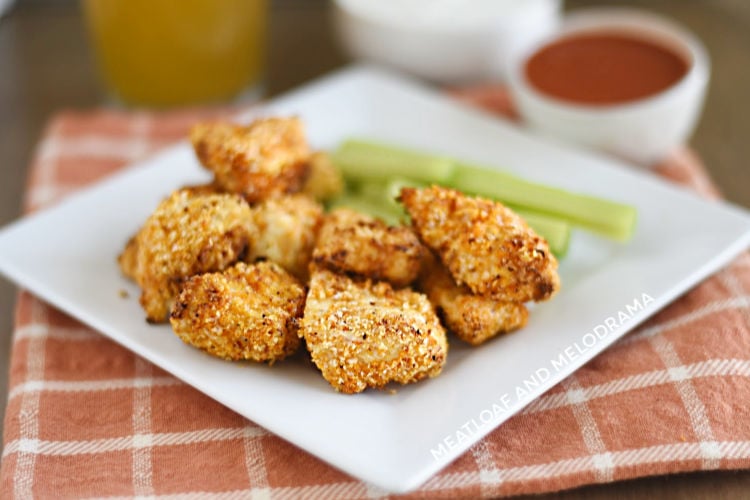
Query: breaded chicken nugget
x=472 y=318
x=483 y=244
x=351 y=242
x=262 y=160
x=285 y=232
x=188 y=234
x=245 y=312
x=324 y=181
x=365 y=334
x=128 y=259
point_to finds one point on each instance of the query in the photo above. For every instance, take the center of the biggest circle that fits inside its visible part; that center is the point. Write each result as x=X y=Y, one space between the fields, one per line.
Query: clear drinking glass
x=178 y=52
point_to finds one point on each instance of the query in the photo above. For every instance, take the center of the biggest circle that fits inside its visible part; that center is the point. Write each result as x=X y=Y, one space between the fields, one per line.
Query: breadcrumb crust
x=284 y=231
x=472 y=318
x=187 y=234
x=351 y=242
x=265 y=159
x=245 y=312
x=484 y=245
x=362 y=334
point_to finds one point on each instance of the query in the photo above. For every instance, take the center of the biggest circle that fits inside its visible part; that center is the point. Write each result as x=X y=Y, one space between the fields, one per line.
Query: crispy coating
x=363 y=334
x=188 y=234
x=285 y=232
x=483 y=244
x=128 y=259
x=351 y=242
x=472 y=318
x=245 y=312
x=324 y=181
x=262 y=160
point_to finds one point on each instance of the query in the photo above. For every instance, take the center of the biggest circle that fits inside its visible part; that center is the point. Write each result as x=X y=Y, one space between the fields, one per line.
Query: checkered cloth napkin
x=87 y=418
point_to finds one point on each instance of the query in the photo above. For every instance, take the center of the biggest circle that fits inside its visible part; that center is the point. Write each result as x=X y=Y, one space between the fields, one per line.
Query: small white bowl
x=643 y=131
x=451 y=42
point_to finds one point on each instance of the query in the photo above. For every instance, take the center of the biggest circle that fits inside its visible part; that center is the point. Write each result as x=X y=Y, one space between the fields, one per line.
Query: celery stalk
x=615 y=220
x=365 y=160
x=378 y=172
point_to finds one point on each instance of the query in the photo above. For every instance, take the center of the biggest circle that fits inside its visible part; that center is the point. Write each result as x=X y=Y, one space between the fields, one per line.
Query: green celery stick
x=366 y=163
x=615 y=220
x=359 y=159
x=372 y=190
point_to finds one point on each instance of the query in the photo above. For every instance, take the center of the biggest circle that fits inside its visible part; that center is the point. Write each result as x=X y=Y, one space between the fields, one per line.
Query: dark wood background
x=45 y=66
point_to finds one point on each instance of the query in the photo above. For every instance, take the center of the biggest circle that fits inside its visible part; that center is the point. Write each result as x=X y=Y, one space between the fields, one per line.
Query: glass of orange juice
x=176 y=52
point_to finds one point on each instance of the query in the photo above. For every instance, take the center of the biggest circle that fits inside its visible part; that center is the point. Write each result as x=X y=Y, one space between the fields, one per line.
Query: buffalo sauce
x=602 y=68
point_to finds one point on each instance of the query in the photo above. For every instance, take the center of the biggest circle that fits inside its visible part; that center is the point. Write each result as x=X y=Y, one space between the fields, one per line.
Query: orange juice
x=170 y=52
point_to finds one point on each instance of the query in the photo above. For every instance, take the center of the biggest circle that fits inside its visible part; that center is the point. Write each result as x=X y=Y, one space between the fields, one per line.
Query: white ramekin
x=449 y=53
x=642 y=131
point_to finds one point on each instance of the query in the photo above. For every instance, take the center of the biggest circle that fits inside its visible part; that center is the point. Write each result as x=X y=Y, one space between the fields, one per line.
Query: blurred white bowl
x=447 y=41
x=642 y=131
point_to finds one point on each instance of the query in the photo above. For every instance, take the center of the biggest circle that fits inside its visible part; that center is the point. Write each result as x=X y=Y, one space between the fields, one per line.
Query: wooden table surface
x=45 y=65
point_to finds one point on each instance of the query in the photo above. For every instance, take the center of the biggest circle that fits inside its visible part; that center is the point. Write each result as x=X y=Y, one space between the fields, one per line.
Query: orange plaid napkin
x=87 y=418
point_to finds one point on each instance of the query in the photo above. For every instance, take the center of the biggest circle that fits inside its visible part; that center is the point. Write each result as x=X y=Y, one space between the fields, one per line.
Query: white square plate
x=66 y=255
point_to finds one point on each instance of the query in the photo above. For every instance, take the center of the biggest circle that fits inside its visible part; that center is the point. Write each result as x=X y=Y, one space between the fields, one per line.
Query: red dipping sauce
x=604 y=68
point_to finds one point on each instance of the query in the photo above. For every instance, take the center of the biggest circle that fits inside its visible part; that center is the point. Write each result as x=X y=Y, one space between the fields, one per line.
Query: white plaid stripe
x=105 y=147
x=589 y=430
x=708 y=368
x=45 y=163
x=29 y=419
x=695 y=408
x=732 y=303
x=142 y=464
x=732 y=283
x=488 y=473
x=36 y=330
x=561 y=468
x=91 y=385
x=346 y=490
x=68 y=448
x=255 y=462
x=140 y=145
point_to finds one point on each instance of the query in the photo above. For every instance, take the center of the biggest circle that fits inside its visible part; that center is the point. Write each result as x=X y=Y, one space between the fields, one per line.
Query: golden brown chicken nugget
x=262 y=160
x=351 y=242
x=285 y=232
x=483 y=244
x=188 y=234
x=472 y=318
x=363 y=334
x=128 y=259
x=248 y=311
